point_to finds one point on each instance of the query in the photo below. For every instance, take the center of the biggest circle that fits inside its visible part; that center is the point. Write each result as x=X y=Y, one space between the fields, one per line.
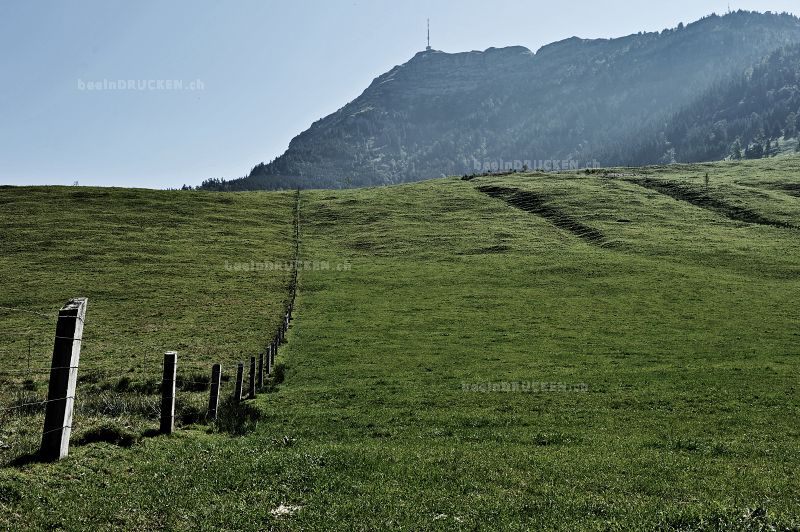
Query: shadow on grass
x=237 y=418
x=25 y=459
x=109 y=432
x=278 y=376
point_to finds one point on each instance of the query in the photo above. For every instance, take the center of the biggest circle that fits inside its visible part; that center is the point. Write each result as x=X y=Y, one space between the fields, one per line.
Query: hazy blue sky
x=268 y=69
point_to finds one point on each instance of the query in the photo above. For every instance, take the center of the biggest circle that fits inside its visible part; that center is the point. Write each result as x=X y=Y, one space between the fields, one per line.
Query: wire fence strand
x=37 y=403
x=28 y=311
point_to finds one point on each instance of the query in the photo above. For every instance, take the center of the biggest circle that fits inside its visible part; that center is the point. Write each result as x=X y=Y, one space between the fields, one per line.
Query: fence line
x=69 y=337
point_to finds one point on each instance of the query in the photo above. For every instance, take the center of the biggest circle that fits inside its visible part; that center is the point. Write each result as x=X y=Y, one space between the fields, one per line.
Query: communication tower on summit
x=428 y=48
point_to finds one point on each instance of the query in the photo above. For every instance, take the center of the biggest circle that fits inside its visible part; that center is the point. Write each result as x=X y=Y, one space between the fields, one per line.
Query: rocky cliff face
x=445 y=114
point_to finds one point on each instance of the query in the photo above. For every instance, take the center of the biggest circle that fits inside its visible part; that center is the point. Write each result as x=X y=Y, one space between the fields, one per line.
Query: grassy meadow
x=611 y=350
x=160 y=271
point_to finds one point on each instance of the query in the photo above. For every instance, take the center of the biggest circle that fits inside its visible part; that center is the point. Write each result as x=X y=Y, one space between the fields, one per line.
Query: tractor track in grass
x=540 y=205
x=701 y=199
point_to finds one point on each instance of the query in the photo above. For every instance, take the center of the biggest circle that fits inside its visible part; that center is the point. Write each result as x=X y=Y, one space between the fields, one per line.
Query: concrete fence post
x=168 y=392
x=63 y=380
x=213 y=401
x=237 y=392
x=273 y=352
x=251 y=388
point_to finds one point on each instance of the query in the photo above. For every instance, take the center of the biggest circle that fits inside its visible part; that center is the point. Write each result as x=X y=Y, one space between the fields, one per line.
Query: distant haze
x=248 y=76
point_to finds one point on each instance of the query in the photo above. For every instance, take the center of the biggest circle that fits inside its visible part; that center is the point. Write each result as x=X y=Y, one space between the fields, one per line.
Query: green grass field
x=157 y=269
x=614 y=350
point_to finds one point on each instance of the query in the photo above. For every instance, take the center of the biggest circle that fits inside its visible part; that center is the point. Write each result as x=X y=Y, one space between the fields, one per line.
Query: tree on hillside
x=790 y=130
x=736 y=149
x=754 y=151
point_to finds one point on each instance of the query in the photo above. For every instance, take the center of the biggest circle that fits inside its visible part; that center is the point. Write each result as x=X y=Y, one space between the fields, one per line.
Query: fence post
x=213 y=401
x=237 y=392
x=261 y=369
x=168 y=392
x=252 y=379
x=269 y=359
x=63 y=380
x=272 y=352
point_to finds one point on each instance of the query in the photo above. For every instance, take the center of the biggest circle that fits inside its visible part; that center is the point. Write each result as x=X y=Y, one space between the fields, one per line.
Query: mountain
x=444 y=114
x=747 y=117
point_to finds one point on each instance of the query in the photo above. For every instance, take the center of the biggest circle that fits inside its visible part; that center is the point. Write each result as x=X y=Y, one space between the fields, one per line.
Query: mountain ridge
x=439 y=113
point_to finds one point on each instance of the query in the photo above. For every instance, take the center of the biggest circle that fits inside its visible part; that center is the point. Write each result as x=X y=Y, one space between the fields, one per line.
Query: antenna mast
x=428 y=48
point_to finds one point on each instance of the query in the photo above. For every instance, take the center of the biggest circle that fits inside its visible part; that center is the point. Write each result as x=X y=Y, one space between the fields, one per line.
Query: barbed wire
x=35 y=371
x=36 y=403
x=28 y=311
x=27 y=332
x=72 y=426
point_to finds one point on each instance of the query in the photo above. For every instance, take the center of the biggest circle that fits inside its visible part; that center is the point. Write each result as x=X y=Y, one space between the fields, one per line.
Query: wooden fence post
x=168 y=392
x=63 y=380
x=213 y=401
x=237 y=392
x=261 y=369
x=269 y=359
x=252 y=379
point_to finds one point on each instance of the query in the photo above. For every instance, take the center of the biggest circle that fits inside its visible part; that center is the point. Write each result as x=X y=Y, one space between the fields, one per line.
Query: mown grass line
x=536 y=204
x=704 y=200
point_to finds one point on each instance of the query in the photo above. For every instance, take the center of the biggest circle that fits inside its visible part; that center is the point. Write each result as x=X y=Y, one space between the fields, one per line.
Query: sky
x=217 y=87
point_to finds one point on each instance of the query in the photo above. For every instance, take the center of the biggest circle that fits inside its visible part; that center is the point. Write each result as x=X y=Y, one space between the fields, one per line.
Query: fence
x=25 y=337
x=60 y=404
